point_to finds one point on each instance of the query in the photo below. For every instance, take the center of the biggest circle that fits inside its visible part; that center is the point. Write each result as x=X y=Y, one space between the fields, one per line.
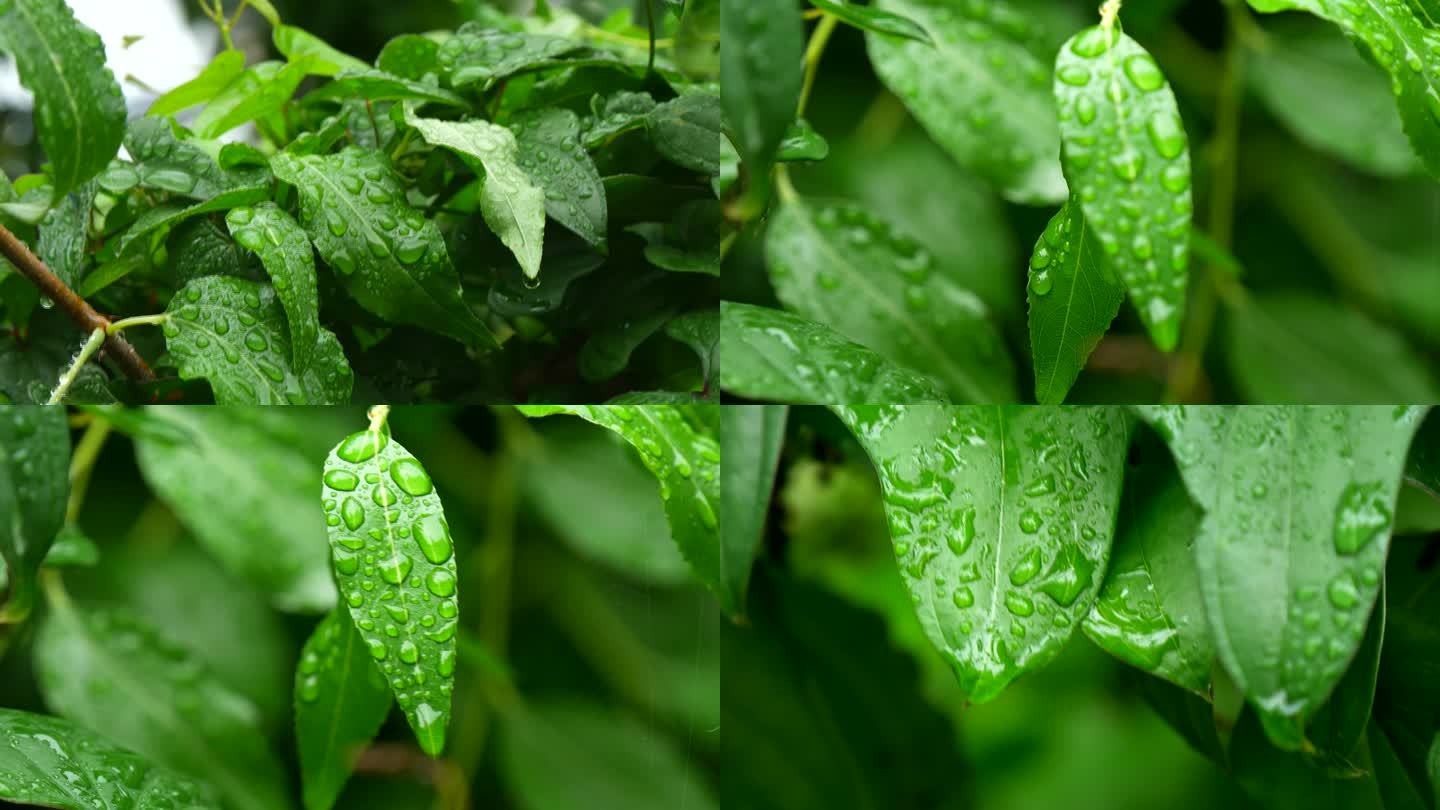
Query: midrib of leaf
x=19 y=6
x=1070 y=302
x=279 y=392
x=334 y=731
x=1158 y=601
x=45 y=772
x=1000 y=534
x=698 y=493
x=507 y=200
x=922 y=336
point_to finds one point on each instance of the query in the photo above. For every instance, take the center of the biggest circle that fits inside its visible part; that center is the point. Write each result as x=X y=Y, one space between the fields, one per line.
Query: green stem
x=1109 y=13
x=378 y=414
x=138 y=320
x=82 y=463
x=92 y=345
x=813 y=52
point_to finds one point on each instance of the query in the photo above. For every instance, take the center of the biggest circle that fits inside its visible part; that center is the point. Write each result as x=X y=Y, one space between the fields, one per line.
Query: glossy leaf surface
x=686 y=131
x=225 y=68
x=273 y=235
x=869 y=18
x=476 y=55
x=297 y=43
x=551 y=154
x=34 y=485
x=750 y=437
x=167 y=161
x=760 y=84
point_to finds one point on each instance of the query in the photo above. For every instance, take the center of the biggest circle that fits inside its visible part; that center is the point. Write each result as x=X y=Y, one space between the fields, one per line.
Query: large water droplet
x=353 y=513
x=411 y=477
x=361 y=446
x=1361 y=515
x=395 y=569
x=440 y=582
x=433 y=536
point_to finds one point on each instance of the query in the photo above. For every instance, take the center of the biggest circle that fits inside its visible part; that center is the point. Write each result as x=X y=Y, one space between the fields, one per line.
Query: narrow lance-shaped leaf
x=377 y=85
x=34 y=486
x=870 y=18
x=35 y=748
x=64 y=233
x=1074 y=295
x=79 y=109
x=340 y=703
x=273 y=235
x=297 y=43
x=552 y=155
x=1128 y=160
x=1298 y=506
x=1002 y=520
x=259 y=92
x=761 y=72
x=225 y=68
x=395 y=562
x=750 y=437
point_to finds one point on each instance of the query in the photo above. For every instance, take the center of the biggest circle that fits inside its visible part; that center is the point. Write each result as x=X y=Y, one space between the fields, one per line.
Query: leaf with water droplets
x=271 y=233
x=259 y=92
x=479 y=55
x=377 y=85
x=1337 y=729
x=869 y=18
x=842 y=266
x=232 y=333
x=64 y=232
x=395 y=562
x=511 y=204
x=115 y=673
x=1074 y=296
x=762 y=74
x=750 y=437
x=1128 y=161
x=551 y=154
x=34 y=485
x=1404 y=47
x=1298 y=507
x=341 y=700
x=686 y=463
x=410 y=56
x=35 y=750
x=391 y=259
x=802 y=143
x=686 y=132
x=225 y=68
x=168 y=217
x=30 y=368
x=79 y=109
x=166 y=160
x=297 y=43
x=979 y=90
x=763 y=358
x=700 y=330
x=1002 y=520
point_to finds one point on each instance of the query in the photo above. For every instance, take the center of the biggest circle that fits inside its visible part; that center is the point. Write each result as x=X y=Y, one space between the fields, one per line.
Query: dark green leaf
x=273 y=235
x=869 y=18
x=686 y=131
x=750 y=437
x=479 y=55
x=607 y=351
x=1338 y=728
x=700 y=330
x=64 y=233
x=551 y=153
x=164 y=217
x=615 y=115
x=762 y=75
x=377 y=85
x=34 y=486
x=166 y=161
x=30 y=370
x=409 y=56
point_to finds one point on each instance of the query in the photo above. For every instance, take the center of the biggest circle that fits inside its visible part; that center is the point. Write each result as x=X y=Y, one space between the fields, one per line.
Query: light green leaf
x=841 y=266
x=267 y=10
x=869 y=18
x=298 y=44
x=273 y=235
x=1002 y=520
x=79 y=109
x=157 y=699
x=763 y=358
x=34 y=748
x=224 y=69
x=259 y=92
x=377 y=85
x=751 y=437
x=34 y=486
x=697 y=40
x=1298 y=503
x=979 y=90
x=1128 y=161
x=551 y=153
x=232 y=332
x=761 y=86
x=340 y=702
x=382 y=505
x=686 y=132
x=390 y=258
x=1074 y=295
x=511 y=204
x=259 y=518
x=479 y=55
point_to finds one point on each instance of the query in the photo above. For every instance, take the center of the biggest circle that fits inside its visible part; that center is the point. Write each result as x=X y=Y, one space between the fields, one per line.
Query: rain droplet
x=411 y=477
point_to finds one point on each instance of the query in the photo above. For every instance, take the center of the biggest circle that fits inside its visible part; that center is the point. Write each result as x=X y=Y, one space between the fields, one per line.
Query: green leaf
x=842 y=266
x=750 y=437
x=1403 y=46
x=377 y=85
x=1002 y=520
x=157 y=698
x=1298 y=348
x=29 y=370
x=685 y=462
x=1128 y=160
x=64 y=233
x=687 y=243
x=166 y=160
x=700 y=330
x=340 y=702
x=391 y=259
x=232 y=333
x=764 y=359
x=607 y=351
x=34 y=486
x=259 y=92
x=616 y=115
x=762 y=75
x=1407 y=707
x=686 y=132
x=1338 y=728
x=1290 y=564
x=79 y=109
x=511 y=204
x=35 y=749
x=409 y=56
x=259 y=517
x=1074 y=296
x=166 y=217
x=1150 y=612
x=477 y=55
x=550 y=152
x=273 y=235
x=979 y=90
x=382 y=506
x=697 y=40
x=298 y=44
x=611 y=761
x=224 y=69
x=868 y=18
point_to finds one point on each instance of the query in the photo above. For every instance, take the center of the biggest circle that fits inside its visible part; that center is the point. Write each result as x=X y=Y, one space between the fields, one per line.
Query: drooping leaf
x=982 y=95
x=273 y=235
x=34 y=486
x=551 y=153
x=258 y=518
x=1002 y=520
x=511 y=204
x=1128 y=161
x=297 y=43
x=686 y=131
x=381 y=505
x=232 y=333
x=225 y=68
x=340 y=702
x=1074 y=296
x=157 y=699
x=478 y=55
x=763 y=358
x=79 y=109
x=842 y=266
x=35 y=748
x=1290 y=563
x=1337 y=729
x=750 y=437
x=869 y=18
x=391 y=259
x=761 y=84
x=377 y=85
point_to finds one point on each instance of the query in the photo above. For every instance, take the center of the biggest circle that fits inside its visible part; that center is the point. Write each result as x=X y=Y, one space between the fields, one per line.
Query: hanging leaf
x=550 y=152
x=761 y=85
x=34 y=487
x=272 y=234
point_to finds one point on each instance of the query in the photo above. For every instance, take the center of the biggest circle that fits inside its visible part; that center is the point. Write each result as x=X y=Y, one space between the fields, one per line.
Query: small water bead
x=1027 y=568
x=448 y=609
x=1092 y=42
x=1085 y=110
x=346 y=562
x=440 y=582
x=1361 y=515
x=1074 y=75
x=1166 y=133
x=1030 y=521
x=432 y=534
x=377 y=649
x=1342 y=592
x=1019 y=604
x=1042 y=283
x=444 y=633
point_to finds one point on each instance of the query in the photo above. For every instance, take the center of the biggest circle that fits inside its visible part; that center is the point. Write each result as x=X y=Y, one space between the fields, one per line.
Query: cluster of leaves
x=892 y=267
x=518 y=210
x=173 y=679
x=1240 y=557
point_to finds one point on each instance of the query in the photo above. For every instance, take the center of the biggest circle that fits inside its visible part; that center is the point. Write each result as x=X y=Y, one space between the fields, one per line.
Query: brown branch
x=80 y=311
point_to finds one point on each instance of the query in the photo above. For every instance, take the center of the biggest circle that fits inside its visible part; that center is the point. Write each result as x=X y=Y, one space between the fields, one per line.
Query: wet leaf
x=377 y=85
x=273 y=235
x=686 y=131
x=761 y=85
x=750 y=437
x=551 y=154
x=325 y=60
x=168 y=217
x=64 y=233
x=700 y=330
x=166 y=160
x=869 y=18
x=477 y=55
x=615 y=115
x=802 y=143
x=225 y=68
x=409 y=56
x=259 y=92
x=34 y=486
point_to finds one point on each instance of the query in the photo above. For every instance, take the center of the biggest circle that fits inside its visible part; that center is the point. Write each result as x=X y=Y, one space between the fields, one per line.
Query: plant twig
x=816 y=49
x=79 y=310
x=92 y=345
